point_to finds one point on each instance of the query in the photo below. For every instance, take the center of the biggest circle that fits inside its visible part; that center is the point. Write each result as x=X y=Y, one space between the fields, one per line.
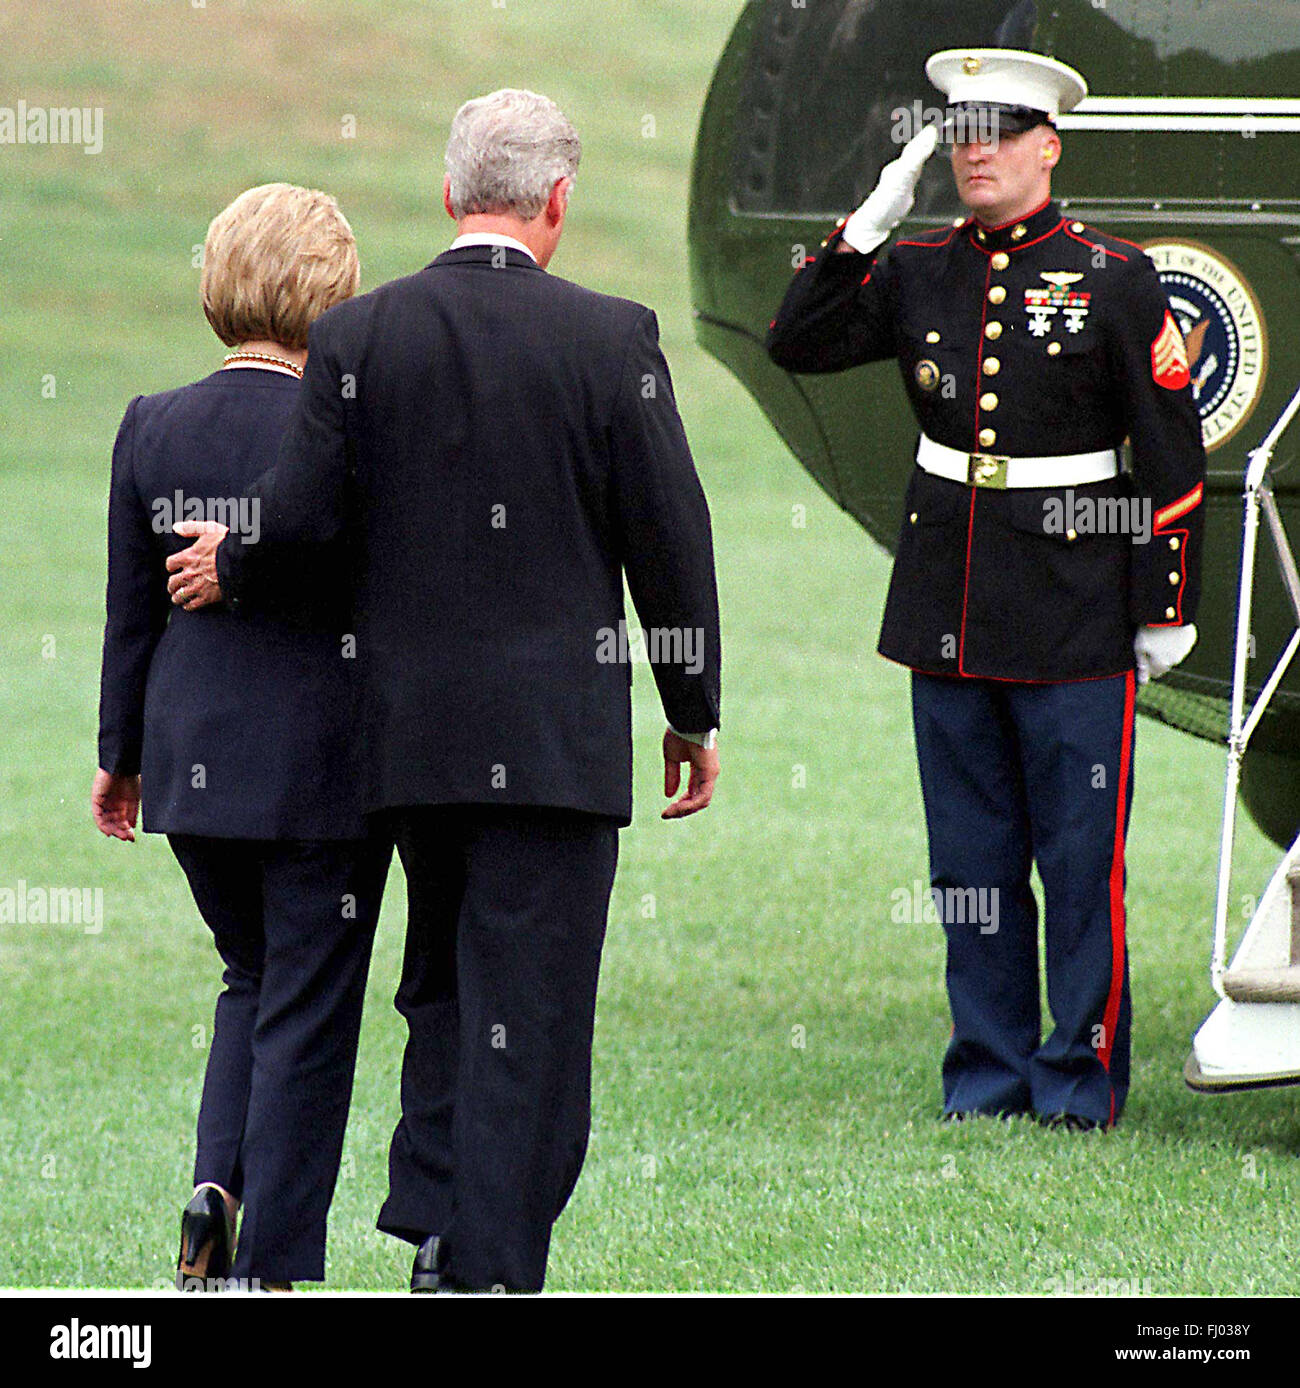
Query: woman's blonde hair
x=274 y=261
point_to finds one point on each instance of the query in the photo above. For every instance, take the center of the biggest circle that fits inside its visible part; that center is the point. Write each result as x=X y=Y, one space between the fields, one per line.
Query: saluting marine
x=1036 y=579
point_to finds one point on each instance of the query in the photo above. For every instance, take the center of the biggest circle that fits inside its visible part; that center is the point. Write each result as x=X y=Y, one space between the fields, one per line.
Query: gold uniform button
x=997 y=294
x=1175 y=578
x=993 y=331
x=1019 y=233
x=932 y=337
x=1076 y=227
x=1071 y=534
x=1173 y=543
x=1170 y=613
x=1053 y=349
x=989 y=402
x=981 y=236
x=1001 y=260
x=992 y=366
x=959 y=221
x=987 y=438
x=912 y=518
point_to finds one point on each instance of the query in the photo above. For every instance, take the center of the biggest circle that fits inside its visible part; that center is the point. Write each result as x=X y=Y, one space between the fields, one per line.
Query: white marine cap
x=1006 y=77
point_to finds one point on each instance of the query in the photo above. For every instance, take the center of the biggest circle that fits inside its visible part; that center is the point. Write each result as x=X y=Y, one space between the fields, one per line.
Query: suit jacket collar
x=483 y=255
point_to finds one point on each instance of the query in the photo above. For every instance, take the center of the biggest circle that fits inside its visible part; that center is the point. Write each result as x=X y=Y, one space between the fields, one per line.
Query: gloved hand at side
x=1159 y=649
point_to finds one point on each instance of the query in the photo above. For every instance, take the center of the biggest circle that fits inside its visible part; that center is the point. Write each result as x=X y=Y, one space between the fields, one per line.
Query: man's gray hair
x=507 y=151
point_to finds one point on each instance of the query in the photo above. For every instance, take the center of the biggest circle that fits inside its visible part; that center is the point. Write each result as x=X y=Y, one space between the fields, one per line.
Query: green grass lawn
x=768 y=1040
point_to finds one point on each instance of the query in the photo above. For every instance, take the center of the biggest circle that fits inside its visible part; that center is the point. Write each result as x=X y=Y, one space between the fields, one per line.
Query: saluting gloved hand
x=892 y=198
x=1159 y=649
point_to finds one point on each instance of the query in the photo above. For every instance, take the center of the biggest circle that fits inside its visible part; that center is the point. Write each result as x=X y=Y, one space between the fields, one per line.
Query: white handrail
x=1263 y=455
x=1257 y=495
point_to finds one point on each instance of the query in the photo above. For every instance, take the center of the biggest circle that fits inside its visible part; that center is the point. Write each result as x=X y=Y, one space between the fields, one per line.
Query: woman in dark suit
x=237 y=731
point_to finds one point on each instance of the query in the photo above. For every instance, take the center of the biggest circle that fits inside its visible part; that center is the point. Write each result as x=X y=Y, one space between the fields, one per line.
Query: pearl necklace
x=263 y=357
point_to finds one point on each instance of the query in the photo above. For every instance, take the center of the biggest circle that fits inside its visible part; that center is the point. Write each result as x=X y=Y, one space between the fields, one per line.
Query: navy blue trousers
x=1013 y=775
x=506 y=922
x=294 y=923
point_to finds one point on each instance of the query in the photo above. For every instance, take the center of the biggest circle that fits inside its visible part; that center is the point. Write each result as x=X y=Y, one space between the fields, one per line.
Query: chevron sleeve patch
x=1169 y=366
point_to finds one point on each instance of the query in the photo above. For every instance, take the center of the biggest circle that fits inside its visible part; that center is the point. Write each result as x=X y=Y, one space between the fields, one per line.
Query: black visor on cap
x=982 y=122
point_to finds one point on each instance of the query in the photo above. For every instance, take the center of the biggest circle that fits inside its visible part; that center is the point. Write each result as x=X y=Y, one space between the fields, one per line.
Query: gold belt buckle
x=984 y=470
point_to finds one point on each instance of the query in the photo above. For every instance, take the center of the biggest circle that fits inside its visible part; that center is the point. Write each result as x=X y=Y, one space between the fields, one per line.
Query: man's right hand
x=894 y=193
x=193 y=583
x=114 y=804
x=704 y=772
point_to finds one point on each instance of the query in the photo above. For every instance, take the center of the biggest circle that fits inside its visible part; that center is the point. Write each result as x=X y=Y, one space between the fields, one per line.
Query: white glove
x=1159 y=649
x=892 y=198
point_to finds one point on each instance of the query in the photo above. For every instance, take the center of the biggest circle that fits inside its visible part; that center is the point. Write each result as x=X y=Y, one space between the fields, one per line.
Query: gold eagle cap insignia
x=971 y=65
x=1062 y=279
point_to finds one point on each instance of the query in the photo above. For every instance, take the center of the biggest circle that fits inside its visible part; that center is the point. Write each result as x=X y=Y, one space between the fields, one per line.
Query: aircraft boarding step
x=1262 y=985
x=1254 y=977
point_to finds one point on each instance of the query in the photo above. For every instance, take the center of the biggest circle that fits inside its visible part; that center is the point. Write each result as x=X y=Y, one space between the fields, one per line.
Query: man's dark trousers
x=506 y=909
x=1014 y=774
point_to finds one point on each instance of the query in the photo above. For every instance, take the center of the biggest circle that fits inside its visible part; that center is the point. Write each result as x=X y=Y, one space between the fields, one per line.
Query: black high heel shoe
x=205 y=1230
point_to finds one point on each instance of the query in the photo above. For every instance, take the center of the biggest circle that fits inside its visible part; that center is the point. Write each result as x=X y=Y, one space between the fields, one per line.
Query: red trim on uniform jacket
x=965 y=592
x=970 y=521
x=1097 y=246
x=1163 y=517
x=1023 y=245
x=1180 y=507
x=1125 y=242
x=1110 y=1017
x=1176 y=602
x=998 y=679
x=979 y=357
x=1002 y=226
x=952 y=231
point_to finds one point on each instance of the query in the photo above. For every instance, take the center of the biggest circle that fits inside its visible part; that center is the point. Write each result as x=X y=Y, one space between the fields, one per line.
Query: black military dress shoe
x=1072 y=1123
x=426 y=1275
x=968 y=1115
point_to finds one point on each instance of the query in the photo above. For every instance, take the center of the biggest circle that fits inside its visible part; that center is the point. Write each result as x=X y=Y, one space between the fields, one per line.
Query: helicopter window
x=1210 y=26
x=832 y=89
x=818 y=108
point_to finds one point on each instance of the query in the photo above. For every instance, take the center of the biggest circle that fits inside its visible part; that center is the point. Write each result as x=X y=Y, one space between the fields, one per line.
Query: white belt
x=988 y=470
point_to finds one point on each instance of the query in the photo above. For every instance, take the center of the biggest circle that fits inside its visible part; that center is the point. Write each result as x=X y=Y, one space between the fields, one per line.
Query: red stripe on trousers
x=1110 y=1019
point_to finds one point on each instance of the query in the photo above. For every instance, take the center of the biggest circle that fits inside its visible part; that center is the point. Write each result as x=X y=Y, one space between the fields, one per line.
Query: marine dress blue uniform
x=1028 y=557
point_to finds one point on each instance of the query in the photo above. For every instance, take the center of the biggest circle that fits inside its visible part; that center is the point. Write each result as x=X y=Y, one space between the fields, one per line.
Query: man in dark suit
x=499 y=447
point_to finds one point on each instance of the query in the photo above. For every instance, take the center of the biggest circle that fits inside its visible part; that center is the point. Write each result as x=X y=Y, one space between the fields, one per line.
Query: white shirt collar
x=490 y=238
